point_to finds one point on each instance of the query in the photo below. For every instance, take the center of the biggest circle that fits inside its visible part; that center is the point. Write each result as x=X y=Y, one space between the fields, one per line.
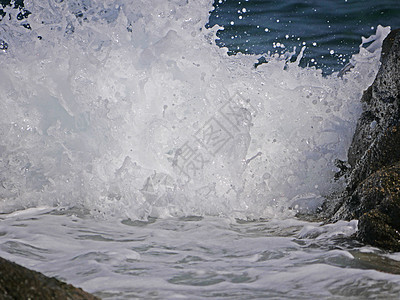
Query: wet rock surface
x=17 y=282
x=372 y=193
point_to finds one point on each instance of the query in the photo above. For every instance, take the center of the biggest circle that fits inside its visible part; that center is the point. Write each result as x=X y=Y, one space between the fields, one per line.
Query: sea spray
x=131 y=110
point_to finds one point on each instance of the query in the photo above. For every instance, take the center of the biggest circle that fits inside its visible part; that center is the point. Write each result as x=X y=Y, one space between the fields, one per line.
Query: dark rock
x=372 y=190
x=376 y=203
x=17 y=282
x=378 y=123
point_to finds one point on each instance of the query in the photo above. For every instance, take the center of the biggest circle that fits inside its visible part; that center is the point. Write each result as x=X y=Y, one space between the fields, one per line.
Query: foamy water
x=116 y=113
x=197 y=258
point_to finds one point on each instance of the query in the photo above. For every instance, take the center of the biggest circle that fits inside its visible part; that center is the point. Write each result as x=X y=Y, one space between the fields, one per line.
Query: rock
x=372 y=191
x=17 y=282
x=376 y=203
x=372 y=146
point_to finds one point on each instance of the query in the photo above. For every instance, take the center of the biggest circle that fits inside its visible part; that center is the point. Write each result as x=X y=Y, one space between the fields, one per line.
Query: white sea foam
x=131 y=110
x=199 y=257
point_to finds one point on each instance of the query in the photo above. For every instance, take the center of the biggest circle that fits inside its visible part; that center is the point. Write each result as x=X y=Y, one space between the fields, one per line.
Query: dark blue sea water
x=330 y=29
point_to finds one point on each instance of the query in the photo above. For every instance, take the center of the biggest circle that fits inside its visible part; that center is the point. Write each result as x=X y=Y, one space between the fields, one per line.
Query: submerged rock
x=372 y=191
x=17 y=282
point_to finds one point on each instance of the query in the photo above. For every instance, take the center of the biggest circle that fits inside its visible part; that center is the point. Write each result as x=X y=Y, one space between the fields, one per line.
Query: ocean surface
x=331 y=30
x=162 y=151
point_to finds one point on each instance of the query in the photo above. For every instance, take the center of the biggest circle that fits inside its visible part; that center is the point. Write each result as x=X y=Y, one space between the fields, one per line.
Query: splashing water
x=131 y=110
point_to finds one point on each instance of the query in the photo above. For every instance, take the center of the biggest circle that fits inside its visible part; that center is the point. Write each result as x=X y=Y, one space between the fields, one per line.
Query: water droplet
x=3 y=45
